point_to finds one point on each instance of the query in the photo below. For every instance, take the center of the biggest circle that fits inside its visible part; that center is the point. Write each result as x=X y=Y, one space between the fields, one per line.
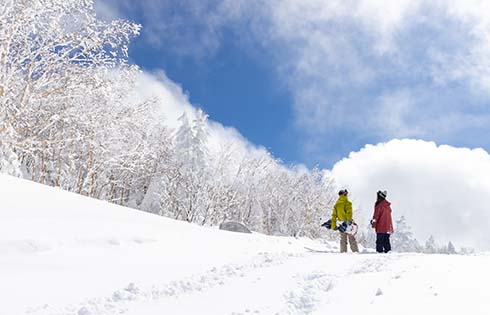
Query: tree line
x=70 y=118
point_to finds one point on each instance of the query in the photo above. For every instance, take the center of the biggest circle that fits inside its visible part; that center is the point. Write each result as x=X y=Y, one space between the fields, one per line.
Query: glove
x=373 y=223
x=328 y=224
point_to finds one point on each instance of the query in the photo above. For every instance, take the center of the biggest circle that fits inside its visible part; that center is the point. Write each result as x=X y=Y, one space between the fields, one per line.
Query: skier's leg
x=379 y=243
x=353 y=243
x=343 y=242
x=387 y=245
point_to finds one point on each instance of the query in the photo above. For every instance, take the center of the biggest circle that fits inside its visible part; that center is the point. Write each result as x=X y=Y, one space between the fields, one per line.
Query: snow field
x=61 y=253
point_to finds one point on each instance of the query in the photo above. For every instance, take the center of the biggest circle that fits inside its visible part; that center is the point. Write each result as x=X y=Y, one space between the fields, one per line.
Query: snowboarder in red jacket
x=382 y=222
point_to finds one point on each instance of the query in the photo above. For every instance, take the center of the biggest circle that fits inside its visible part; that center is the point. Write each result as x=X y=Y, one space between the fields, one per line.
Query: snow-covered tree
x=430 y=246
x=275 y=200
x=54 y=59
x=466 y=250
x=447 y=249
x=403 y=239
x=227 y=188
x=185 y=185
x=48 y=49
x=366 y=236
x=9 y=161
x=451 y=249
x=313 y=199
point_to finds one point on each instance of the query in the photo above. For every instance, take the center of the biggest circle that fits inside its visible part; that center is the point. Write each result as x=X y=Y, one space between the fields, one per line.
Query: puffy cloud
x=441 y=190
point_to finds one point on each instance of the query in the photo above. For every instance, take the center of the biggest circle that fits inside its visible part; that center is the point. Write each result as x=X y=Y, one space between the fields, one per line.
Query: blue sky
x=233 y=88
x=314 y=80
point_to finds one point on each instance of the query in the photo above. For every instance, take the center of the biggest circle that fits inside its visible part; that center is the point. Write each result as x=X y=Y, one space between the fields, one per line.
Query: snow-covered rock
x=234 y=227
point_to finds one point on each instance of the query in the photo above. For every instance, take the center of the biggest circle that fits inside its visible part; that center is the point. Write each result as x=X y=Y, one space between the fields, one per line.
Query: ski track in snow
x=118 y=302
x=314 y=286
x=305 y=298
x=310 y=290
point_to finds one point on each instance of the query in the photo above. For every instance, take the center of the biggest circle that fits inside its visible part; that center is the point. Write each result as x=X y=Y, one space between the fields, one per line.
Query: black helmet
x=343 y=192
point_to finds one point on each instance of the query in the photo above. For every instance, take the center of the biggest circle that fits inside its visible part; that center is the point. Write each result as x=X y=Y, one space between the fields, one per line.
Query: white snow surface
x=61 y=253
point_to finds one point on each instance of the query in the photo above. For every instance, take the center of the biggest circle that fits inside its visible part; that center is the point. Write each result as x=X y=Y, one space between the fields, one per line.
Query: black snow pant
x=383 y=242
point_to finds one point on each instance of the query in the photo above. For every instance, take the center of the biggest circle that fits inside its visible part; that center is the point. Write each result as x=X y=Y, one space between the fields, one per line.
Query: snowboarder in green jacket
x=342 y=211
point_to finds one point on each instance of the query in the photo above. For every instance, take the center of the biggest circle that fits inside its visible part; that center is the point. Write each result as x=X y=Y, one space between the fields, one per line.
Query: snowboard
x=343 y=226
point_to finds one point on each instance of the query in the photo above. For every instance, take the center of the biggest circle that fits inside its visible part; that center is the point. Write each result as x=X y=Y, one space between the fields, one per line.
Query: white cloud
x=186 y=27
x=392 y=114
x=106 y=11
x=441 y=190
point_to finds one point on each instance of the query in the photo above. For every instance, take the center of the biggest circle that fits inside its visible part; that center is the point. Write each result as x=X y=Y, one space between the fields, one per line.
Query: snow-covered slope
x=61 y=253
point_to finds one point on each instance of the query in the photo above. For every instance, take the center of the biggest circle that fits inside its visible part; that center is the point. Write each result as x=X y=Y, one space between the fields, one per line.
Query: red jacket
x=382 y=217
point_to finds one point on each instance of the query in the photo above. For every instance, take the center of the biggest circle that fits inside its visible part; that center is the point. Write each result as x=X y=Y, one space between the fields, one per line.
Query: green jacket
x=341 y=211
